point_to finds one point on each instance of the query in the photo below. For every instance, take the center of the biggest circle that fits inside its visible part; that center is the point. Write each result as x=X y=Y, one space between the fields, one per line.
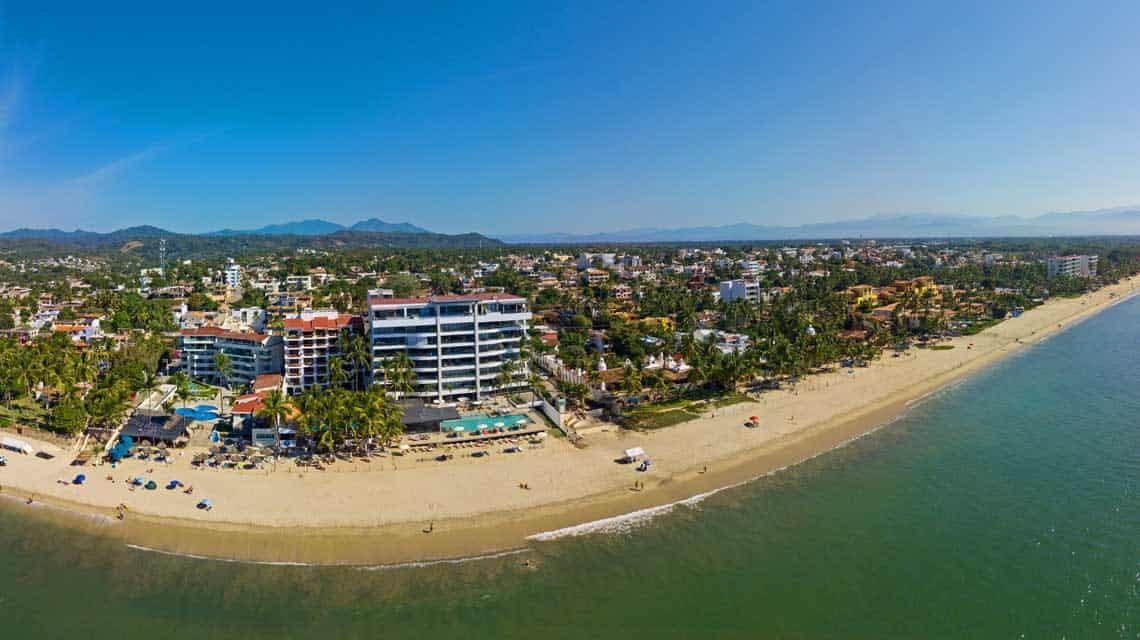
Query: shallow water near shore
x=1005 y=506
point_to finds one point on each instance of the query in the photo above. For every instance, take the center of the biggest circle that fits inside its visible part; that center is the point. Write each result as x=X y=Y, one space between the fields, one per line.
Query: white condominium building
x=740 y=290
x=232 y=274
x=249 y=354
x=457 y=344
x=1073 y=266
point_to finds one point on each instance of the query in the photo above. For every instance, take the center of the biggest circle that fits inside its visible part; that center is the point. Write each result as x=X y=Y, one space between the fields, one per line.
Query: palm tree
x=357 y=354
x=276 y=408
x=182 y=387
x=391 y=427
x=507 y=371
x=658 y=383
x=399 y=374
x=224 y=367
x=630 y=380
x=337 y=374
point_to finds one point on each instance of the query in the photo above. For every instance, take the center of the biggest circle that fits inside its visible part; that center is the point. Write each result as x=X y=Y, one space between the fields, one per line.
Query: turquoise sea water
x=1005 y=507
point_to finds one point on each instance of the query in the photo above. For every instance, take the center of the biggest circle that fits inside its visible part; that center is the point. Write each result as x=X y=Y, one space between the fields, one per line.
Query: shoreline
x=836 y=410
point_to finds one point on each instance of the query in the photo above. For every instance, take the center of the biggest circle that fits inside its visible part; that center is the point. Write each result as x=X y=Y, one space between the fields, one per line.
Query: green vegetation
x=50 y=384
x=648 y=419
x=332 y=416
x=979 y=326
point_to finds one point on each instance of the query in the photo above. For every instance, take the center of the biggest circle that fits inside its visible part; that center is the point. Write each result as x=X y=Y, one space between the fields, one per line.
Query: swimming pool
x=199 y=389
x=202 y=412
x=476 y=423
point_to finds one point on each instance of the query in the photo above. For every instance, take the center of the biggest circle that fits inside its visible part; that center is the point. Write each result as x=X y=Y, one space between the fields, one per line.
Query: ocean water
x=1004 y=507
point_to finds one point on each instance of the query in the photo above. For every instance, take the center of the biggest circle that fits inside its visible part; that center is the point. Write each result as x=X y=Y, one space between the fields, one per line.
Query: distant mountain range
x=1118 y=221
x=314 y=234
x=317 y=227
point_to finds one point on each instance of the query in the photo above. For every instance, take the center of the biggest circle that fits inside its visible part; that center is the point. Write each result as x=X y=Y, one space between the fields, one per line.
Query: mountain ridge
x=1115 y=221
x=320 y=227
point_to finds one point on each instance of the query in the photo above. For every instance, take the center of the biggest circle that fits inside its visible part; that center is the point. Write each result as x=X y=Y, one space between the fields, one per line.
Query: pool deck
x=437 y=439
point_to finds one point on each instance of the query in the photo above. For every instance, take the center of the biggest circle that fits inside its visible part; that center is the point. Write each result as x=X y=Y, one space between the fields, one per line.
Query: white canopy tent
x=17 y=445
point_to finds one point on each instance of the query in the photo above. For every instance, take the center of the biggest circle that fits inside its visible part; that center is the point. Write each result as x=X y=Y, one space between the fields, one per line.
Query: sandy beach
x=377 y=513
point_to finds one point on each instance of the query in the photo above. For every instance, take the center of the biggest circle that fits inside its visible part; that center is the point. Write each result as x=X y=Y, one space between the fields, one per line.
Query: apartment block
x=1073 y=266
x=250 y=354
x=311 y=339
x=457 y=343
x=740 y=290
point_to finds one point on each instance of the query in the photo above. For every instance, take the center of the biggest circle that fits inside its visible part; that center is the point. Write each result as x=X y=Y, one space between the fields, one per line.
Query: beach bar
x=421 y=418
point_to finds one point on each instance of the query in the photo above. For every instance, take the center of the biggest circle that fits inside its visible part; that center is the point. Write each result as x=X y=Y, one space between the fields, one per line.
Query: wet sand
x=377 y=514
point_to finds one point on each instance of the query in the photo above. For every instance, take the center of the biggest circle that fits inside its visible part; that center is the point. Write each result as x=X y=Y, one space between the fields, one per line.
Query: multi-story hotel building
x=250 y=354
x=1072 y=266
x=457 y=344
x=310 y=340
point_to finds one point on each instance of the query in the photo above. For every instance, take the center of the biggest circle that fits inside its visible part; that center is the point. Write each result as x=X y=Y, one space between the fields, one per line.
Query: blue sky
x=512 y=117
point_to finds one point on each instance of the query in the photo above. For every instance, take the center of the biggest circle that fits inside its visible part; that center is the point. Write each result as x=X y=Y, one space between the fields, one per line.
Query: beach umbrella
x=151 y=486
x=483 y=426
x=79 y=479
x=457 y=429
x=500 y=424
x=205 y=504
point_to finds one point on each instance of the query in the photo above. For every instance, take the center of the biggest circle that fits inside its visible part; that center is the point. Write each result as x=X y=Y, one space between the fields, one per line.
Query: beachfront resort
x=520 y=367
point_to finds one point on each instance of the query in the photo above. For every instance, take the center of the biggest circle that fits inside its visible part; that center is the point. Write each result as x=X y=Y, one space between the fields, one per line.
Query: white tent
x=18 y=445
x=634 y=453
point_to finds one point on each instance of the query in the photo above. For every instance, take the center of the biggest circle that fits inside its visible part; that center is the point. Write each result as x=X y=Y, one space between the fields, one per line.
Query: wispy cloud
x=106 y=173
x=30 y=202
x=65 y=201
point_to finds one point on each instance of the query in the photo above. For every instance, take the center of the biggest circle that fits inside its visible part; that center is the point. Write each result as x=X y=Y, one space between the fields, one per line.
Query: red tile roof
x=340 y=321
x=251 y=403
x=267 y=382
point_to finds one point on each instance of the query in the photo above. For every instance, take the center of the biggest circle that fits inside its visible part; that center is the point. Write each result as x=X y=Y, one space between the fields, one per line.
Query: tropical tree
x=507 y=372
x=399 y=374
x=224 y=366
x=337 y=371
x=630 y=380
x=182 y=388
x=276 y=409
x=357 y=353
x=658 y=382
